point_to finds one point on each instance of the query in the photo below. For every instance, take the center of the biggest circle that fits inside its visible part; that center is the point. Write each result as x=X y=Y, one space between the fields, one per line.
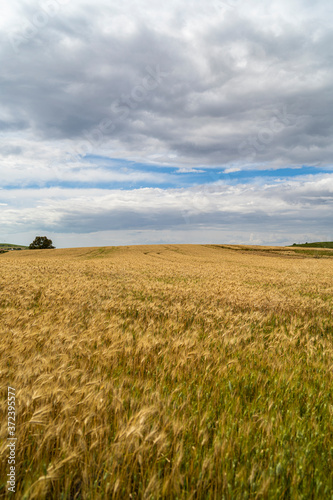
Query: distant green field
x=10 y=245
x=318 y=244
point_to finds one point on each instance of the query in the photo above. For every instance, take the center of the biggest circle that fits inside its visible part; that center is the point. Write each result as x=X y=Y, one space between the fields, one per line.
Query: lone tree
x=41 y=242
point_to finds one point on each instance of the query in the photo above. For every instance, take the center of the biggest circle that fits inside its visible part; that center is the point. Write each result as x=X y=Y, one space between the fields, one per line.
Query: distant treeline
x=318 y=244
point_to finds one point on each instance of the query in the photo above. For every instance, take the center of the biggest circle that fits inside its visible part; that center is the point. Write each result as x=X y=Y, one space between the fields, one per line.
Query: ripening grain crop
x=168 y=371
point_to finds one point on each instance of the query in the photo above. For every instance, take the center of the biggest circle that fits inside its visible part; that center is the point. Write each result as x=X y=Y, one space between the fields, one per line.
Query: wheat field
x=168 y=372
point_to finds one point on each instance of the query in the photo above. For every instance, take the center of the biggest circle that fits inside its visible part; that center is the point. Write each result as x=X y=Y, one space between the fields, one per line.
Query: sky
x=145 y=122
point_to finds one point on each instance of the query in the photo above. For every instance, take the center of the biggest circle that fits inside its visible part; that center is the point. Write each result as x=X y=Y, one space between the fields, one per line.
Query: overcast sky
x=149 y=122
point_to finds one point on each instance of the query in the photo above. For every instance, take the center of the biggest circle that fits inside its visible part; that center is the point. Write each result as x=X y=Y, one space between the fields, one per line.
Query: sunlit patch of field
x=168 y=371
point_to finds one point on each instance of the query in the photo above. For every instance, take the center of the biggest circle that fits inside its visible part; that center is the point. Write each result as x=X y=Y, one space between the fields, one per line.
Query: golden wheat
x=168 y=371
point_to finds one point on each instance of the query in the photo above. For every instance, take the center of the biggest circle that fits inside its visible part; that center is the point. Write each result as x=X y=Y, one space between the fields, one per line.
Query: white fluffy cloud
x=274 y=212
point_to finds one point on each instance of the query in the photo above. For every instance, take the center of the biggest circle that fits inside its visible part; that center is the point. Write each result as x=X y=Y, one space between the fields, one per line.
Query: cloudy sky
x=147 y=122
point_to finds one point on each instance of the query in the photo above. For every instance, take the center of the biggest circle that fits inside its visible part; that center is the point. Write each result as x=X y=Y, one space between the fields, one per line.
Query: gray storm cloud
x=228 y=84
